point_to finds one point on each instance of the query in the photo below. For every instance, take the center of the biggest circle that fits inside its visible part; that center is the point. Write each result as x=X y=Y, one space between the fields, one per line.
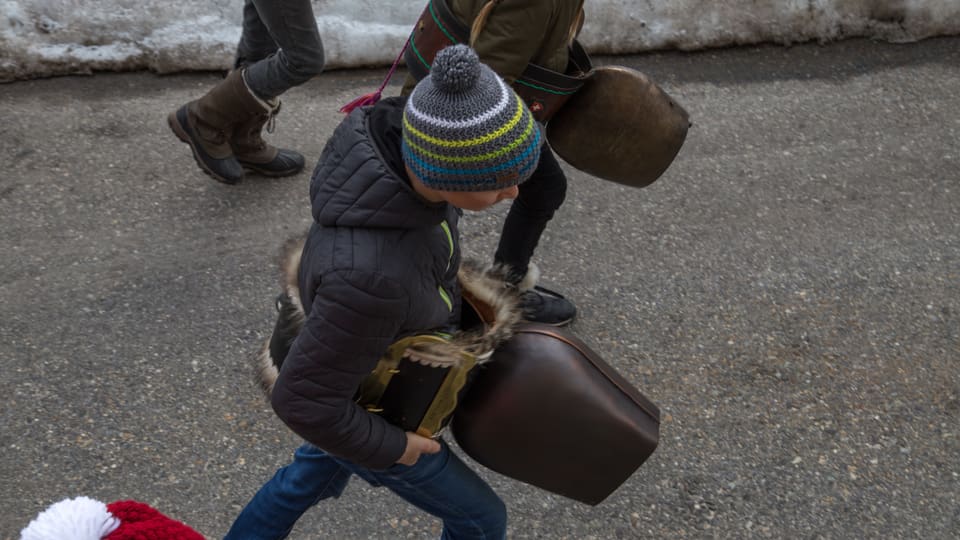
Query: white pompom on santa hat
x=83 y=518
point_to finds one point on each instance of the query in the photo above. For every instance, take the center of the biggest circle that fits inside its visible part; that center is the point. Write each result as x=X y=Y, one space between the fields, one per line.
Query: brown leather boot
x=207 y=124
x=254 y=153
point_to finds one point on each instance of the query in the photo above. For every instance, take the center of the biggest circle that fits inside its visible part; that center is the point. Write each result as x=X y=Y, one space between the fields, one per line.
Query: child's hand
x=417 y=445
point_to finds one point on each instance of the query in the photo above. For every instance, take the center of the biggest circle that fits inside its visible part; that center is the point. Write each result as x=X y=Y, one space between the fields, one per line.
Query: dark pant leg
x=539 y=199
x=256 y=43
x=292 y=27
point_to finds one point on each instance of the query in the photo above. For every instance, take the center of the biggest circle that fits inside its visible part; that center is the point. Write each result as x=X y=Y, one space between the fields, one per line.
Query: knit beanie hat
x=83 y=518
x=464 y=129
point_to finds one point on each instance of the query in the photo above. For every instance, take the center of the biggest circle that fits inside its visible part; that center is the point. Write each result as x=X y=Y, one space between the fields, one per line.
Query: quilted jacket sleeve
x=354 y=318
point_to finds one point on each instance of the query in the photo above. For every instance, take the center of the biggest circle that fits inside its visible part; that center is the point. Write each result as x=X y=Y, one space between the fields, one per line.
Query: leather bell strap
x=443 y=402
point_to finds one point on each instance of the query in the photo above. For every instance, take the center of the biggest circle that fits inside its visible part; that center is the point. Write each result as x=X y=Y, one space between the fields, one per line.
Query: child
x=380 y=263
x=509 y=35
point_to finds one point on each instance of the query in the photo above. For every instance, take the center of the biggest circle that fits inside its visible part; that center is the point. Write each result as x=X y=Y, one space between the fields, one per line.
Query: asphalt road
x=788 y=293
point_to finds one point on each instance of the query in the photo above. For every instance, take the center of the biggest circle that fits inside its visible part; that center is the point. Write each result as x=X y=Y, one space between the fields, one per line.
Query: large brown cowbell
x=620 y=126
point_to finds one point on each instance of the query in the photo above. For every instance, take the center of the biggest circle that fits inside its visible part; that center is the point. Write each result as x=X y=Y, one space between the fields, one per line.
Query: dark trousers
x=539 y=199
x=280 y=45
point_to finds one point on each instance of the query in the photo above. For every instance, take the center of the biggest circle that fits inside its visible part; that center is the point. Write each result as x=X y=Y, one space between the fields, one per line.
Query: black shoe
x=545 y=306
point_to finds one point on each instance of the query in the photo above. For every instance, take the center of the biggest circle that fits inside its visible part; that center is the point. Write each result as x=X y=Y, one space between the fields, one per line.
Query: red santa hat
x=84 y=518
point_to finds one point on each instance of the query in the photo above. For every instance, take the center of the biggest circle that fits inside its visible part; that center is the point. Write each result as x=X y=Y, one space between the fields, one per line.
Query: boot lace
x=272 y=116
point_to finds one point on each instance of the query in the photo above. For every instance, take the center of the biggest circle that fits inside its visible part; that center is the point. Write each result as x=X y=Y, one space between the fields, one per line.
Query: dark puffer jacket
x=379 y=264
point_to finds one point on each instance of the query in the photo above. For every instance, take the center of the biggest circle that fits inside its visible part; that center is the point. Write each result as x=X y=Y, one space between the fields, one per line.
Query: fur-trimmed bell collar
x=485 y=288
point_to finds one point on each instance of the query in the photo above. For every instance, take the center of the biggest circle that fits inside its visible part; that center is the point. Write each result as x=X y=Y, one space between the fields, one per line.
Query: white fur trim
x=81 y=518
x=487 y=284
x=267 y=371
x=530 y=279
x=267 y=105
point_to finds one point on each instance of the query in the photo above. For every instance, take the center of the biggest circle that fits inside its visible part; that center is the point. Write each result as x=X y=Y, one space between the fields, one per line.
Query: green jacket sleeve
x=514 y=34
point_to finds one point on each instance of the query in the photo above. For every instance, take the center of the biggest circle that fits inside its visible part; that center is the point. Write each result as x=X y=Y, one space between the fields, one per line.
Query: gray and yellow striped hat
x=465 y=129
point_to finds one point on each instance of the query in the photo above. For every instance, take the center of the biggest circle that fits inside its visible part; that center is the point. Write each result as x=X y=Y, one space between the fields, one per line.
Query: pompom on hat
x=465 y=129
x=84 y=518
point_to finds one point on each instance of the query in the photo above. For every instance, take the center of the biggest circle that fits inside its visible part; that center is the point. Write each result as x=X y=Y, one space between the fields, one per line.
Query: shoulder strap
x=373 y=97
x=481 y=20
x=576 y=26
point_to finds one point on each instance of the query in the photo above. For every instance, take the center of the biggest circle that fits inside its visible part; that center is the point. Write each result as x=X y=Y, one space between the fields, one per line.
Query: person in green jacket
x=508 y=35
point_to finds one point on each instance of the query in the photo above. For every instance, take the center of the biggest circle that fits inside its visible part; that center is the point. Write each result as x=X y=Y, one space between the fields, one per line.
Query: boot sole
x=182 y=134
x=252 y=167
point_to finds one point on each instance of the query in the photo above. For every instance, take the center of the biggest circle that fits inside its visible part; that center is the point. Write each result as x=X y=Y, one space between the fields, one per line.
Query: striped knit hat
x=464 y=129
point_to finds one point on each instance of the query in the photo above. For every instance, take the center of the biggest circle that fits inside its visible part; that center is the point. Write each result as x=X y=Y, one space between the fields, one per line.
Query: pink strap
x=373 y=97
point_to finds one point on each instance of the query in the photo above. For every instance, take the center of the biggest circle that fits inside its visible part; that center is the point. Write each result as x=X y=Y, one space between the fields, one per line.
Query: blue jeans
x=280 y=45
x=440 y=484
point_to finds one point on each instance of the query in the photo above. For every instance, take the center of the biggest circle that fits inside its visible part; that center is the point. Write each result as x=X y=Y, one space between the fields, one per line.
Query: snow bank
x=55 y=37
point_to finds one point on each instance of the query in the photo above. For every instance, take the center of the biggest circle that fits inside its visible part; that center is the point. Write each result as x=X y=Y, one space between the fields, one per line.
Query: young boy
x=380 y=263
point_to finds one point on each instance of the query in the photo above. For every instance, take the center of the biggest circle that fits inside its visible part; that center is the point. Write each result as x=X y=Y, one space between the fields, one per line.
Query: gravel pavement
x=788 y=293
